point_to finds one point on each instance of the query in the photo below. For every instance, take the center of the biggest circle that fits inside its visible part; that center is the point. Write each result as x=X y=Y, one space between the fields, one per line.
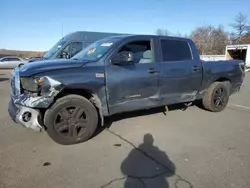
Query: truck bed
x=230 y=70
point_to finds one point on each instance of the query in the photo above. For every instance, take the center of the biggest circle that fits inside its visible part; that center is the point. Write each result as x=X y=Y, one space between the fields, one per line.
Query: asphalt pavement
x=145 y=149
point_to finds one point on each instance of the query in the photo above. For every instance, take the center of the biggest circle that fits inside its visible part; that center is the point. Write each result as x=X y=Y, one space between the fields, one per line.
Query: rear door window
x=175 y=50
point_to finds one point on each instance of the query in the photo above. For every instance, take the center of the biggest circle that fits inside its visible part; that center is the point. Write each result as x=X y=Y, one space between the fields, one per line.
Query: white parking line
x=240 y=106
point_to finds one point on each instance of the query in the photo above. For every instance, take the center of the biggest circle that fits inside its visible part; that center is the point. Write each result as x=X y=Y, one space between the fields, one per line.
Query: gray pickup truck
x=69 y=97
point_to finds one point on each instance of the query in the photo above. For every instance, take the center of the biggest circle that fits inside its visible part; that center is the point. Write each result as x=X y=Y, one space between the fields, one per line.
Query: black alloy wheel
x=220 y=97
x=71 y=122
x=217 y=96
x=71 y=119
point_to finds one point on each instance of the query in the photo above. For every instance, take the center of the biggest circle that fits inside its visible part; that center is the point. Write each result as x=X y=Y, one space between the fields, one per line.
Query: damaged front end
x=28 y=96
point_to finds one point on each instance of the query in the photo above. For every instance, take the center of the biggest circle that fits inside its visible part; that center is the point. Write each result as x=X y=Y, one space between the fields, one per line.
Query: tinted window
x=75 y=48
x=174 y=50
x=5 y=59
x=14 y=59
x=141 y=50
x=72 y=49
x=54 y=49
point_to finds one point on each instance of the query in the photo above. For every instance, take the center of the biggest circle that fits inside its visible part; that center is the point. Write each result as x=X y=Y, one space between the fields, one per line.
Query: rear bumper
x=25 y=116
x=235 y=89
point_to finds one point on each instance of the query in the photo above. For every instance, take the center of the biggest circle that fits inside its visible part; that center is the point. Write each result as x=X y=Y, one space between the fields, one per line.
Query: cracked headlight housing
x=31 y=84
x=42 y=86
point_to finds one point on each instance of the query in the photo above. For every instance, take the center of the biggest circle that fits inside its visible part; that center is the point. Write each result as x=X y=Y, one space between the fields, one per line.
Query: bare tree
x=164 y=32
x=246 y=38
x=248 y=28
x=178 y=34
x=210 y=40
x=241 y=28
x=220 y=39
x=201 y=37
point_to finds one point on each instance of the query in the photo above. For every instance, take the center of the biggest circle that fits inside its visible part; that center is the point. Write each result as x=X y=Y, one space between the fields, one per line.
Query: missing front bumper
x=23 y=106
x=26 y=116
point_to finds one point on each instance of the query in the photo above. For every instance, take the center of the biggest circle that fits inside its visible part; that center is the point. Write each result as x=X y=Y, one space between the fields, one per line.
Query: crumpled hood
x=30 y=69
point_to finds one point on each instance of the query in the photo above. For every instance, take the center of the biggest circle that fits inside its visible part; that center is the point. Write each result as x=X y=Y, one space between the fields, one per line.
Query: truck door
x=133 y=86
x=181 y=74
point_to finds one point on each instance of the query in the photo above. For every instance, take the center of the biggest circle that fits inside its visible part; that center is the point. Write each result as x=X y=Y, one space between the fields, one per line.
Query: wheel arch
x=211 y=81
x=226 y=80
x=222 y=79
x=88 y=94
x=217 y=79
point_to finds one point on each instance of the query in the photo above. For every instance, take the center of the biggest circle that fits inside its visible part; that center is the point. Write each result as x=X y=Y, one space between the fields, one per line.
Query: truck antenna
x=62 y=29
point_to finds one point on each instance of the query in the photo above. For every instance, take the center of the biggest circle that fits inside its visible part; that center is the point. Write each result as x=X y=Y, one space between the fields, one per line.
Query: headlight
x=44 y=86
x=31 y=84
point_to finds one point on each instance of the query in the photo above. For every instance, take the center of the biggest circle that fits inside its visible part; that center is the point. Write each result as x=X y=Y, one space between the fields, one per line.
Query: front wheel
x=72 y=119
x=217 y=96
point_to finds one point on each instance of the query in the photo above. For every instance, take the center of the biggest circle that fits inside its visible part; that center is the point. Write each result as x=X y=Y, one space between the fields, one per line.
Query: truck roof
x=153 y=36
x=88 y=35
x=92 y=35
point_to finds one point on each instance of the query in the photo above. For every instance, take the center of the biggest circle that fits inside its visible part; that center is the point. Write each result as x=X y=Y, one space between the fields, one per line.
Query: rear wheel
x=72 y=119
x=217 y=96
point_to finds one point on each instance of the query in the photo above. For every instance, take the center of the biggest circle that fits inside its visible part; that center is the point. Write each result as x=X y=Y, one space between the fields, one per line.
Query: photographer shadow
x=147 y=166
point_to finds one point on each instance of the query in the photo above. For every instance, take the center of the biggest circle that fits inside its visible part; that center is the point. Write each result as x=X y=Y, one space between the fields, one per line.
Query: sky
x=38 y=24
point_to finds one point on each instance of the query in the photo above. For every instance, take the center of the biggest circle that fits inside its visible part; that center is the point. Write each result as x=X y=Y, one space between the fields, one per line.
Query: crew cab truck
x=69 y=97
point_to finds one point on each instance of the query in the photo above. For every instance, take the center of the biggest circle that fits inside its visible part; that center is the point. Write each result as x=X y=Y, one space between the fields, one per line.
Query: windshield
x=54 y=49
x=96 y=50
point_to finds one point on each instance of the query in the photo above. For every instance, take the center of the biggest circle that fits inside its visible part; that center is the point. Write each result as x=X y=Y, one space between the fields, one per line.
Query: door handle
x=196 y=68
x=152 y=70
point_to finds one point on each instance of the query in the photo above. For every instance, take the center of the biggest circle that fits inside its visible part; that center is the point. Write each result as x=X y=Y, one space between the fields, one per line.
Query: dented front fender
x=49 y=90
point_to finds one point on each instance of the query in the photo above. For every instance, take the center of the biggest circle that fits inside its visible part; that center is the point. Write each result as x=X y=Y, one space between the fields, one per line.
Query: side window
x=5 y=59
x=141 y=49
x=65 y=52
x=174 y=50
x=75 y=48
x=14 y=59
x=71 y=50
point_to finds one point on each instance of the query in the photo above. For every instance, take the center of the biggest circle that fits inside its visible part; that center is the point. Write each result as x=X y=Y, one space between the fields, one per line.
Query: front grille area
x=12 y=85
x=15 y=83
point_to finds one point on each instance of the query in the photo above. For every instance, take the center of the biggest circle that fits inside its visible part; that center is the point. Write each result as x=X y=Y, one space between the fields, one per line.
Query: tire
x=211 y=98
x=71 y=119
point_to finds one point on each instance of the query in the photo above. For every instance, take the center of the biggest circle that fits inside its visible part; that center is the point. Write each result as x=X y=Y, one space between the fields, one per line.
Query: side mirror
x=123 y=58
x=64 y=55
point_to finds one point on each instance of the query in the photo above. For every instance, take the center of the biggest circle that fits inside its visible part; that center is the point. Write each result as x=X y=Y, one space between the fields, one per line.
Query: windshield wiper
x=82 y=59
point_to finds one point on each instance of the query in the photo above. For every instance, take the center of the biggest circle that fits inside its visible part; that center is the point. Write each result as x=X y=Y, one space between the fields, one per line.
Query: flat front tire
x=217 y=96
x=71 y=119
